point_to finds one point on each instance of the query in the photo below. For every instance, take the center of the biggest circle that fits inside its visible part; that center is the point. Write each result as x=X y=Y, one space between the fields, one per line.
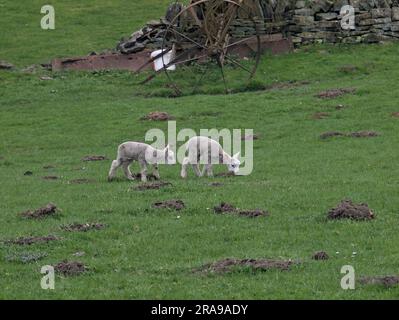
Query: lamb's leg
x=155 y=171
x=143 y=166
x=184 y=166
x=196 y=169
x=127 y=171
x=208 y=169
x=114 y=166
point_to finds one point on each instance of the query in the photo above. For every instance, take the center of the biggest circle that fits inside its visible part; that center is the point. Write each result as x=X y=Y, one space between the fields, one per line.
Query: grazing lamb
x=144 y=154
x=210 y=152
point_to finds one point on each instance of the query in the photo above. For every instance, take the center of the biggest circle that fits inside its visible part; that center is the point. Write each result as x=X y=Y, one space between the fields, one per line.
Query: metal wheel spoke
x=238 y=64
x=188 y=38
x=240 y=41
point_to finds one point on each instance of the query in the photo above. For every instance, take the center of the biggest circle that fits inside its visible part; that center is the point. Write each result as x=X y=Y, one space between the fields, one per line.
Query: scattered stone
x=169 y=204
x=153 y=186
x=70 y=268
x=228 y=208
x=157 y=116
x=83 y=227
x=94 y=158
x=348 y=210
x=46 y=211
x=26 y=257
x=335 y=93
x=231 y=264
x=6 y=65
x=79 y=254
x=46 y=78
x=320 y=255
x=387 y=281
x=32 y=240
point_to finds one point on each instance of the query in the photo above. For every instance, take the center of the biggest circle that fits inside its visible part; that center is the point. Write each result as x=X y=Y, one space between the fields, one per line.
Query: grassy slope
x=146 y=253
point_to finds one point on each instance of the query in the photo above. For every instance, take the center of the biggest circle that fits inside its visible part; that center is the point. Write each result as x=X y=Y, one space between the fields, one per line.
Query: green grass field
x=145 y=253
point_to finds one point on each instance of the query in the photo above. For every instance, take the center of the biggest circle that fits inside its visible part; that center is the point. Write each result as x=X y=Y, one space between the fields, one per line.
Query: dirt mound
x=357 y=134
x=153 y=186
x=150 y=176
x=387 y=281
x=6 y=65
x=320 y=115
x=80 y=181
x=94 y=158
x=157 y=116
x=228 y=208
x=70 y=268
x=395 y=114
x=348 y=69
x=48 y=210
x=216 y=184
x=335 y=93
x=50 y=178
x=320 y=255
x=364 y=134
x=32 y=240
x=231 y=264
x=330 y=134
x=348 y=210
x=169 y=204
x=83 y=227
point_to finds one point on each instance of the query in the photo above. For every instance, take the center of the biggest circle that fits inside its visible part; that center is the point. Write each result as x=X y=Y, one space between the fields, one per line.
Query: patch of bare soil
x=216 y=184
x=348 y=210
x=80 y=181
x=228 y=208
x=364 y=134
x=320 y=255
x=32 y=240
x=395 y=114
x=387 y=281
x=72 y=268
x=150 y=176
x=348 y=69
x=83 y=227
x=231 y=264
x=320 y=115
x=46 y=211
x=50 y=178
x=335 y=93
x=169 y=204
x=94 y=158
x=157 y=116
x=153 y=186
x=250 y=137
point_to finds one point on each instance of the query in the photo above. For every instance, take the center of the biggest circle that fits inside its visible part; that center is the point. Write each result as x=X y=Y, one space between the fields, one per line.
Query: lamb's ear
x=237 y=155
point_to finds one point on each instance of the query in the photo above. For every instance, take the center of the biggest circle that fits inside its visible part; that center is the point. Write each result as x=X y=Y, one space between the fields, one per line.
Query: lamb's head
x=169 y=156
x=234 y=165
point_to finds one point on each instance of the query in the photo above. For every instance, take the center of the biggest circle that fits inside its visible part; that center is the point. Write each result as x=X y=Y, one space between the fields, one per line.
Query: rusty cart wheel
x=201 y=44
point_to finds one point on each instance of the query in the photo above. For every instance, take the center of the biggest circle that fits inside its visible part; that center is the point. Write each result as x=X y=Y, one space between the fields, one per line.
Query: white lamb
x=209 y=152
x=144 y=154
